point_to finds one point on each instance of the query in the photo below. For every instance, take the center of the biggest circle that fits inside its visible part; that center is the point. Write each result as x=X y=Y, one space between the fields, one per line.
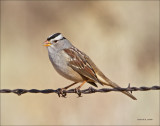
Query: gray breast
x=60 y=61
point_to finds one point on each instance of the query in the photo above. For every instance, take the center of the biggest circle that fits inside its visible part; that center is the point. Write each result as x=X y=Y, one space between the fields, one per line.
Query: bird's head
x=53 y=39
x=57 y=41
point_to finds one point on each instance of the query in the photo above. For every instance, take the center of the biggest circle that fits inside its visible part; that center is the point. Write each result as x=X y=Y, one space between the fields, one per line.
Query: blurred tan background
x=121 y=37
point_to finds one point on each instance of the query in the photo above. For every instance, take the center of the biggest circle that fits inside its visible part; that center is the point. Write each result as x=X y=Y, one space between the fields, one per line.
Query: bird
x=75 y=65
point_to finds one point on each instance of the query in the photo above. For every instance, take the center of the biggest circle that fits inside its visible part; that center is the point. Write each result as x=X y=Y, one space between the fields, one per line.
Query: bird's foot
x=61 y=92
x=77 y=90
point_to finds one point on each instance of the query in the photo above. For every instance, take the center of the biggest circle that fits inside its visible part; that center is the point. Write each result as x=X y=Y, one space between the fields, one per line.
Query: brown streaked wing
x=97 y=71
x=80 y=64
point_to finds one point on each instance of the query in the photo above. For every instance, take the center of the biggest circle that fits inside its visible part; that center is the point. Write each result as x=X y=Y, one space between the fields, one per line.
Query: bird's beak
x=47 y=43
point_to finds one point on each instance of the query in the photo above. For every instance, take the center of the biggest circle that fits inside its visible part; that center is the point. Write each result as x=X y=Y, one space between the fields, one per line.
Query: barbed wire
x=89 y=90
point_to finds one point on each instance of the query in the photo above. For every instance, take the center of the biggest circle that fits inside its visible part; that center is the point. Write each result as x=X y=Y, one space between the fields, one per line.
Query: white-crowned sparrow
x=75 y=65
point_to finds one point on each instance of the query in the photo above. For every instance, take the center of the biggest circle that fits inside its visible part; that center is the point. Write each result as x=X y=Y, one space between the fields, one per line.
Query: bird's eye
x=55 y=41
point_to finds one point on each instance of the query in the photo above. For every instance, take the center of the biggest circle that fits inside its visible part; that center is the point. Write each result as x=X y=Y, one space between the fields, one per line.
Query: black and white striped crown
x=56 y=36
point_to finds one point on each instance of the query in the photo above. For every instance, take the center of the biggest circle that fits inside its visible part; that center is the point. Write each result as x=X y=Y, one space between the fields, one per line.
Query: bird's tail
x=114 y=85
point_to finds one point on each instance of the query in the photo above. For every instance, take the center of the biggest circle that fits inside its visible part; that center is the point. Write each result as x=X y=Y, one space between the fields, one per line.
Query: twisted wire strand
x=89 y=90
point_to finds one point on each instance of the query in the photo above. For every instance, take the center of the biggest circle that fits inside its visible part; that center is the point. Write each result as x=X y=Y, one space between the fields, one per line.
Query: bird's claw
x=77 y=90
x=61 y=92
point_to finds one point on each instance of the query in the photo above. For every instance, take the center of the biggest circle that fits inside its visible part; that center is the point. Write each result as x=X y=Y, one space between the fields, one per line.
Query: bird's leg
x=61 y=90
x=77 y=89
x=70 y=85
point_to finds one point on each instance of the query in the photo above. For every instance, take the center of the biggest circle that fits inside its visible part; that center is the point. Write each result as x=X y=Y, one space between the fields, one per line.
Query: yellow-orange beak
x=47 y=43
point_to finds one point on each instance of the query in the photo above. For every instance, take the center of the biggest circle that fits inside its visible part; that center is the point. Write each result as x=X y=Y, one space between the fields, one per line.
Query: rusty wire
x=89 y=90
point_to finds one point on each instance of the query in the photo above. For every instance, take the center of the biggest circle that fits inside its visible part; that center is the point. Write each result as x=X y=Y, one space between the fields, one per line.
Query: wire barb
x=90 y=90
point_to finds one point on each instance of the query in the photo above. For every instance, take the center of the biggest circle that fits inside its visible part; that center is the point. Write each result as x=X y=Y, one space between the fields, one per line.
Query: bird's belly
x=63 y=69
x=70 y=74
